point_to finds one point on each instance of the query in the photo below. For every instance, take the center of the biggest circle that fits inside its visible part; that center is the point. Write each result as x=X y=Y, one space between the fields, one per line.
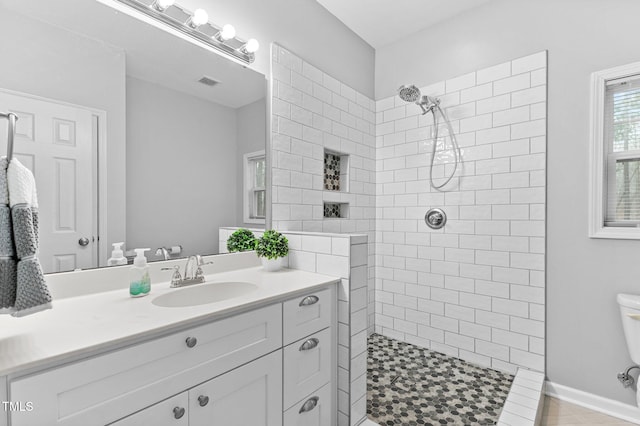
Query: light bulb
x=199 y=17
x=162 y=5
x=228 y=32
x=252 y=45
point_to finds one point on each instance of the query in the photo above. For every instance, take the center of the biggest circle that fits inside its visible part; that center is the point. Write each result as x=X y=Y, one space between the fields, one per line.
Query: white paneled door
x=58 y=143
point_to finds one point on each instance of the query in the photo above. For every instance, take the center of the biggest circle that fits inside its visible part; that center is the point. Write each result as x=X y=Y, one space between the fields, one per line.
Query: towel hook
x=11 y=134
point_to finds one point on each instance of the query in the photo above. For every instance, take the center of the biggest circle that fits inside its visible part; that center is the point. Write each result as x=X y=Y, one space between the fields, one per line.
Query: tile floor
x=409 y=385
x=558 y=412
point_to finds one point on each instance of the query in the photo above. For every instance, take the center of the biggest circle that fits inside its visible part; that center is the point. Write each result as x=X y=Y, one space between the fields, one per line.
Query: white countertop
x=86 y=325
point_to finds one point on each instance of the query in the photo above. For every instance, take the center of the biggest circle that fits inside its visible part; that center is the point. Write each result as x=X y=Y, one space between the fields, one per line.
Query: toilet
x=630 y=312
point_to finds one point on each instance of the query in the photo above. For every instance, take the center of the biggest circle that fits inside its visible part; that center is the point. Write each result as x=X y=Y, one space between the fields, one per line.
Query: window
x=255 y=198
x=615 y=153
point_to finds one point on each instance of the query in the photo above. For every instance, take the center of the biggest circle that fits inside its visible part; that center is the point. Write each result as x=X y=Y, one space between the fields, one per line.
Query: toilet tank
x=630 y=312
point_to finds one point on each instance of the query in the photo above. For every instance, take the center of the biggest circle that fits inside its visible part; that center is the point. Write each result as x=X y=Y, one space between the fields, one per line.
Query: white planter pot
x=271 y=265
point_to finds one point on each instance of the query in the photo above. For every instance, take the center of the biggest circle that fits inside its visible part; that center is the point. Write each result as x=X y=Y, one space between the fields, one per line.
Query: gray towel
x=8 y=279
x=24 y=233
x=7 y=248
x=32 y=294
x=36 y=225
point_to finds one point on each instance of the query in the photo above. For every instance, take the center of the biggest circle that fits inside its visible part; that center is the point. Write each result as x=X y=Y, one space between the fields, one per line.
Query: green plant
x=272 y=245
x=241 y=240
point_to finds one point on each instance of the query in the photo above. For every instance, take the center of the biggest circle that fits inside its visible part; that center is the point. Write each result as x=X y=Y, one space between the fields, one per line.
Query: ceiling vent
x=208 y=81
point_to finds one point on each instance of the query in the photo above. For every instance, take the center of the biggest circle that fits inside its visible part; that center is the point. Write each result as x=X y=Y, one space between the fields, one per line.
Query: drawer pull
x=191 y=341
x=309 y=300
x=178 y=412
x=309 y=405
x=203 y=400
x=309 y=344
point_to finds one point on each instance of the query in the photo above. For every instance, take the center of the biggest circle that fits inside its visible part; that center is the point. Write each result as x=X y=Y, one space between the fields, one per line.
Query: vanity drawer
x=308 y=365
x=306 y=315
x=314 y=410
x=111 y=386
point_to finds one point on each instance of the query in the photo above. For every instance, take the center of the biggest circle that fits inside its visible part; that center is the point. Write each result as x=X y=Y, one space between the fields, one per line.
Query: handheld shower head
x=412 y=94
x=409 y=93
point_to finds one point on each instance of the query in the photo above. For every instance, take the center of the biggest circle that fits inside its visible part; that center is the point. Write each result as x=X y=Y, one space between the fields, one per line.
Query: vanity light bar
x=196 y=25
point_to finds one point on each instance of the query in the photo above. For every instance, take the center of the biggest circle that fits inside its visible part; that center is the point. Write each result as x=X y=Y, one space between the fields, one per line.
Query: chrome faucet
x=190 y=276
x=162 y=251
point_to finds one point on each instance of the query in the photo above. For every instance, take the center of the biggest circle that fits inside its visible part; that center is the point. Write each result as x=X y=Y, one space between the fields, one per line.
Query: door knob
x=203 y=400
x=83 y=241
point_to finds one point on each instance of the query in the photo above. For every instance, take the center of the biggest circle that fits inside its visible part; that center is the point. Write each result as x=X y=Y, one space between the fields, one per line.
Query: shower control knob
x=435 y=218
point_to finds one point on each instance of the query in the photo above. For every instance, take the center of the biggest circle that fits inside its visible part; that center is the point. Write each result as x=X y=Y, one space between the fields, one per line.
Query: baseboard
x=593 y=402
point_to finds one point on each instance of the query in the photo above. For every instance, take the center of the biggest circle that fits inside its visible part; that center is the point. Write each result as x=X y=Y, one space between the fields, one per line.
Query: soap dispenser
x=139 y=280
x=117 y=256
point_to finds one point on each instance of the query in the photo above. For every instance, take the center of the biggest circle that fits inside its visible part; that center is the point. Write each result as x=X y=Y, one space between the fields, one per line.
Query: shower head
x=409 y=93
x=412 y=94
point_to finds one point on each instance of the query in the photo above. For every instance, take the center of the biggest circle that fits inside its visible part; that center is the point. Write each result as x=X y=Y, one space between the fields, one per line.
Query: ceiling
x=152 y=54
x=382 y=22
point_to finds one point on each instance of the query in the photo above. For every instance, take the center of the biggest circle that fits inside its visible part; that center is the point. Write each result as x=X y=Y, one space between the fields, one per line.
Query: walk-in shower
x=411 y=93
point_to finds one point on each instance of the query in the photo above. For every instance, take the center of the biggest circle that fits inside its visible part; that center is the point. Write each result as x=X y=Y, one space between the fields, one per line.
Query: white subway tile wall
x=344 y=256
x=474 y=289
x=311 y=112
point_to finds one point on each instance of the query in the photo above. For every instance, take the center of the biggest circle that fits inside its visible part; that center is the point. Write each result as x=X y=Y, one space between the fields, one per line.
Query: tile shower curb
x=525 y=401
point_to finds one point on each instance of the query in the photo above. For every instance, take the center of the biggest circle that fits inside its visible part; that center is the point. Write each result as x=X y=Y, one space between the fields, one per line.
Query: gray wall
x=585 y=343
x=50 y=62
x=251 y=137
x=302 y=26
x=181 y=185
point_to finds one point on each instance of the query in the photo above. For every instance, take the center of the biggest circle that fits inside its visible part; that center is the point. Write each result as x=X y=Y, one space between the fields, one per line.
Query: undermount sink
x=201 y=294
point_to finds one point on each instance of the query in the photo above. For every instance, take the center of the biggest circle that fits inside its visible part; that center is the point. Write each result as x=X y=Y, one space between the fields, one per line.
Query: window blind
x=622 y=151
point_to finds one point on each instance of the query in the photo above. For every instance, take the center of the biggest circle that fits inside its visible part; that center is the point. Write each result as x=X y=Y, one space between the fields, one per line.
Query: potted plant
x=241 y=240
x=271 y=248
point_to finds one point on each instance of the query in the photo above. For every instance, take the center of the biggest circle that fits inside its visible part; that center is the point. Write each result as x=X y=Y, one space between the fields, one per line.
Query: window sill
x=616 y=233
x=255 y=221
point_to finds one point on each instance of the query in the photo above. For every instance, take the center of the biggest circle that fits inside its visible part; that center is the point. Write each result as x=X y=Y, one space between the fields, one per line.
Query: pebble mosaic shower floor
x=410 y=385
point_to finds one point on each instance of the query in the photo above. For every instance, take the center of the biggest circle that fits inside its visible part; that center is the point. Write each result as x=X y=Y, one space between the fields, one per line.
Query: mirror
x=133 y=133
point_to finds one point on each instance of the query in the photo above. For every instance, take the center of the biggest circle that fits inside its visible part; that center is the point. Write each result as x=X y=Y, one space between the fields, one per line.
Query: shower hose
x=454 y=143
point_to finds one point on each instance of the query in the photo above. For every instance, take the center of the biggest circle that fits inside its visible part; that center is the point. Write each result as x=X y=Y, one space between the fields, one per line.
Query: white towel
x=22 y=185
x=4 y=185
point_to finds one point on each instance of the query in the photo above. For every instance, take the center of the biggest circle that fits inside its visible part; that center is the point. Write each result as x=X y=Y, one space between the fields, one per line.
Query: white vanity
x=267 y=357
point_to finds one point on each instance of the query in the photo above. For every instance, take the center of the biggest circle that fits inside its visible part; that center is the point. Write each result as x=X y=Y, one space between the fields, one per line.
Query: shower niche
x=336 y=181
x=336 y=171
x=336 y=210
